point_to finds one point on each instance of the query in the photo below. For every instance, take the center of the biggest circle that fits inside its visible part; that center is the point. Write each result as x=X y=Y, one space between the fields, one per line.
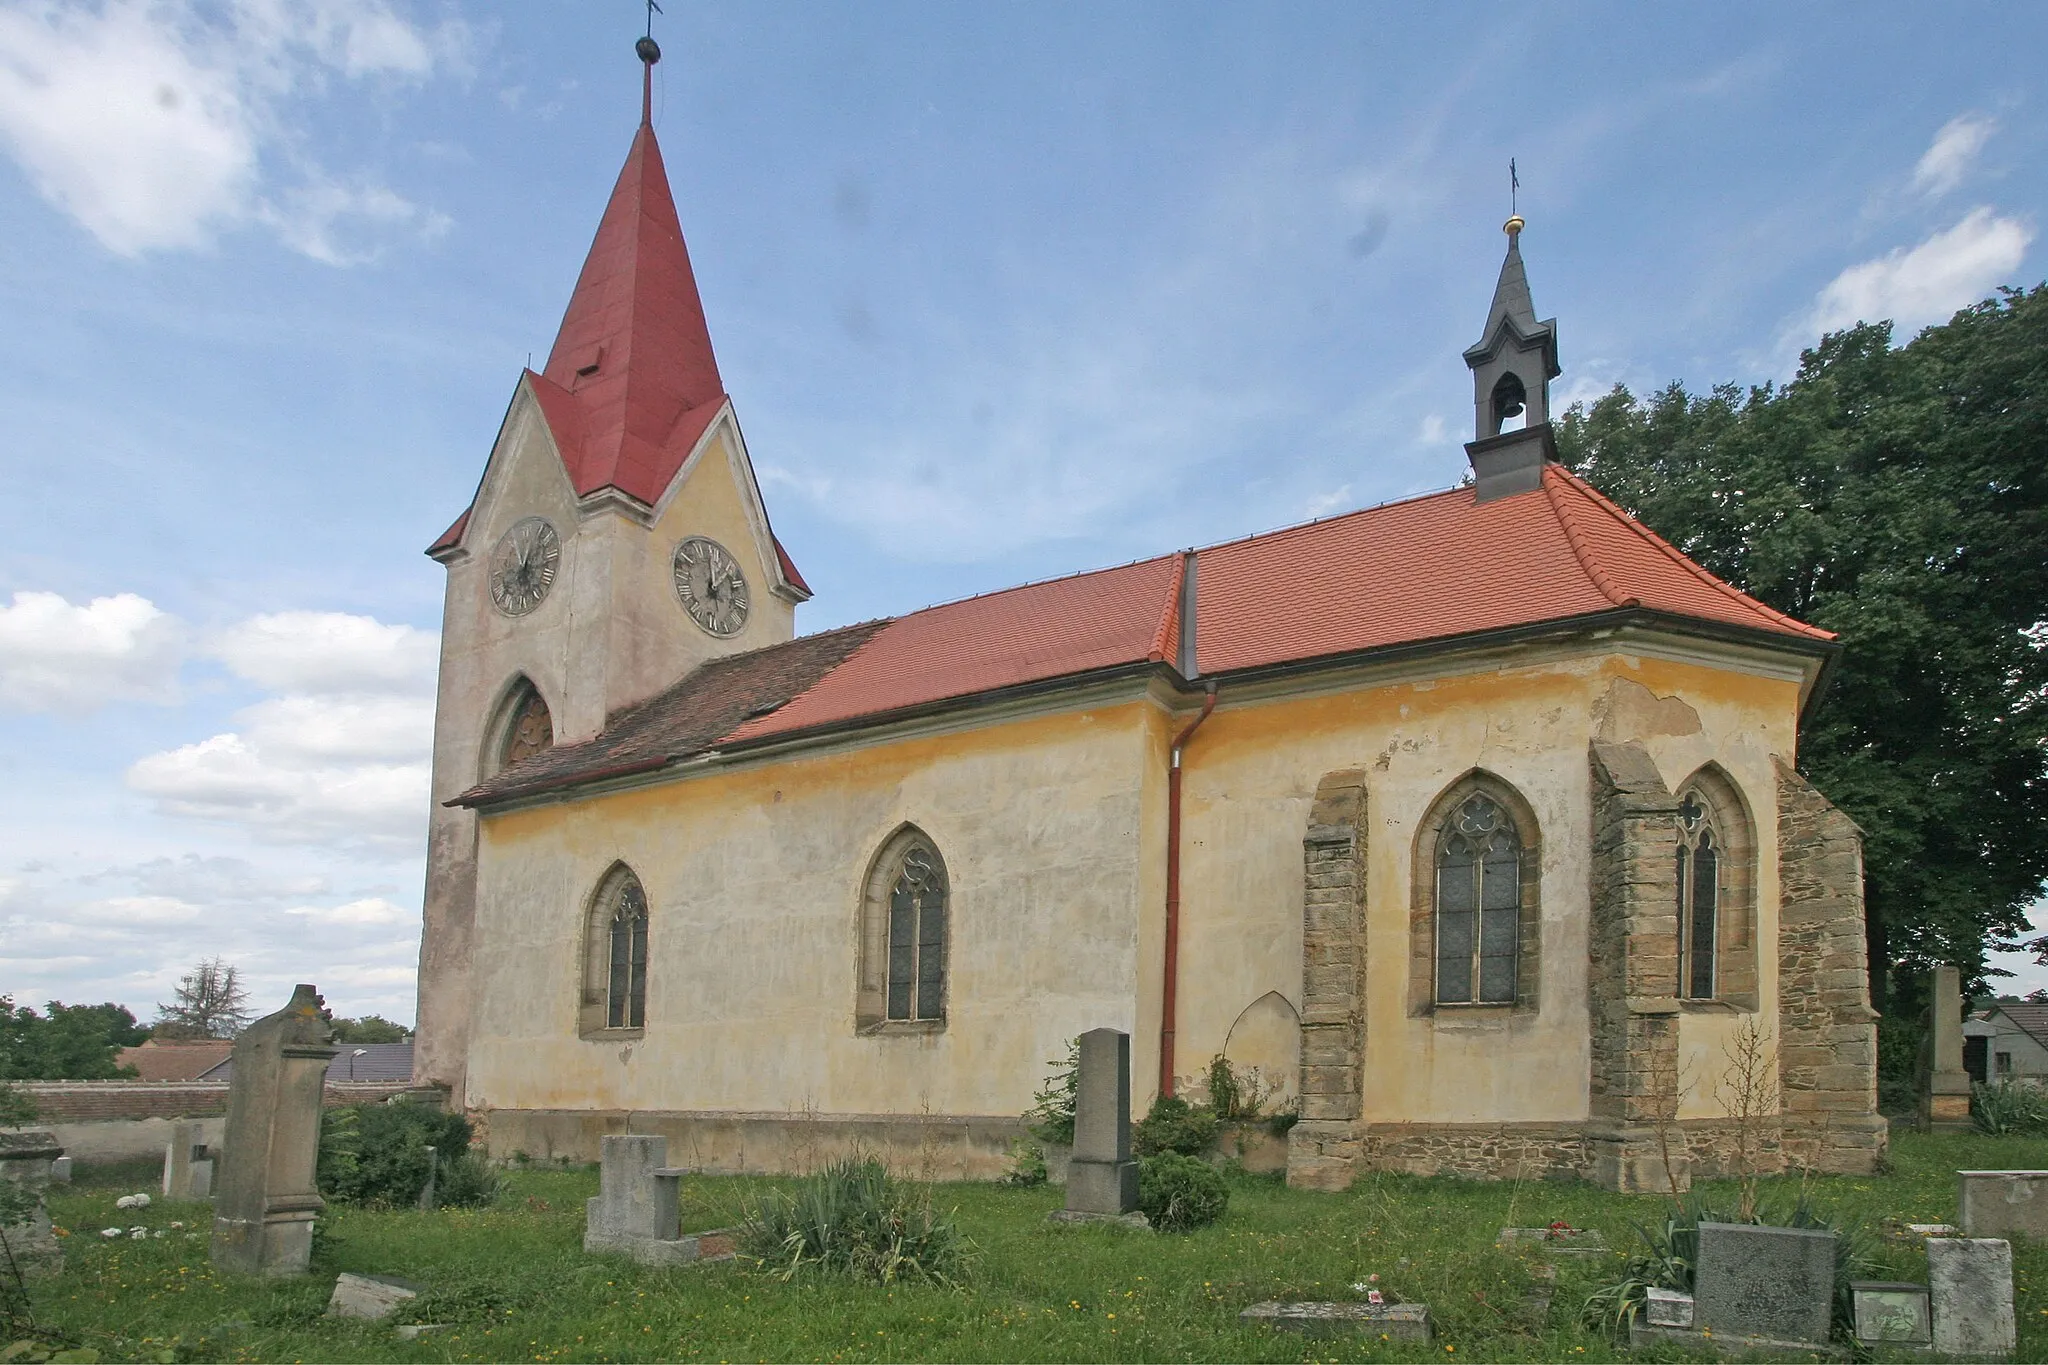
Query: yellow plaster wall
x=753 y=880
x=1251 y=774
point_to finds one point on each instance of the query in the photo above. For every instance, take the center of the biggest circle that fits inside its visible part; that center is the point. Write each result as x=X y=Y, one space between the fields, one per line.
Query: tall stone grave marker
x=1102 y=1180
x=1945 y=1093
x=1777 y=1284
x=263 y=1214
x=638 y=1209
x=25 y=1161
x=1969 y=1280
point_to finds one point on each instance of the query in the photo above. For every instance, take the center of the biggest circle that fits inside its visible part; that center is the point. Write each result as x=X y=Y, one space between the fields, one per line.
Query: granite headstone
x=1969 y=1280
x=1102 y=1180
x=1773 y=1283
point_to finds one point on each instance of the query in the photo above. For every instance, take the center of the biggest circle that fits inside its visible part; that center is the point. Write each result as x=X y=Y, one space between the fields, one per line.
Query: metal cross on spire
x=650 y=53
x=652 y=10
x=1514 y=180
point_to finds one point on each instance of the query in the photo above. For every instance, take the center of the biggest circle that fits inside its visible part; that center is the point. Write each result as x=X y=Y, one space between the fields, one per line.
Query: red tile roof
x=157 y=1060
x=1438 y=568
x=631 y=384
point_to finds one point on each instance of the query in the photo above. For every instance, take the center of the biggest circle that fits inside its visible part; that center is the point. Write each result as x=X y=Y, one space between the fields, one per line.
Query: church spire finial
x=649 y=52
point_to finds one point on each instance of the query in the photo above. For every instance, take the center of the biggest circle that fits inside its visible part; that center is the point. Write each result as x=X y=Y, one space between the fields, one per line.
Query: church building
x=1470 y=823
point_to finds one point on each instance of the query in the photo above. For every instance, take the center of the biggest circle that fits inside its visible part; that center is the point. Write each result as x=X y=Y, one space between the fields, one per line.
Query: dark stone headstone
x=1101 y=1178
x=1774 y=1283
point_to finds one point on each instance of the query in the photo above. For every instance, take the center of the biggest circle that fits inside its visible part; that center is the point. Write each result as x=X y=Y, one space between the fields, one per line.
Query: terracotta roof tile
x=1434 y=568
x=691 y=715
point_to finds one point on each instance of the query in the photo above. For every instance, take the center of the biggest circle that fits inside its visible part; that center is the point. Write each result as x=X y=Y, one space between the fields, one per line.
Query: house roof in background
x=376 y=1062
x=2030 y=1017
x=174 y=1061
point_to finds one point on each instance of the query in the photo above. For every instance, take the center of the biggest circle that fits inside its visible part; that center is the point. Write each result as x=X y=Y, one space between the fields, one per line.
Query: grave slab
x=1668 y=1308
x=25 y=1161
x=1554 y=1241
x=638 y=1209
x=1773 y=1283
x=1891 y=1313
x=1395 y=1321
x=1969 y=1281
x=370 y=1298
x=2004 y=1204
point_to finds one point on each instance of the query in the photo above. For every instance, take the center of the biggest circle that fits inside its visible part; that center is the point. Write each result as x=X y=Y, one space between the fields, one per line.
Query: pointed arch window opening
x=1478 y=905
x=1510 y=404
x=1699 y=897
x=917 y=937
x=626 y=981
x=529 y=729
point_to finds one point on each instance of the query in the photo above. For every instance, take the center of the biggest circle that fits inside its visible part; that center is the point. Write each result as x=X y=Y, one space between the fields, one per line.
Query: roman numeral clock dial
x=710 y=586
x=524 y=564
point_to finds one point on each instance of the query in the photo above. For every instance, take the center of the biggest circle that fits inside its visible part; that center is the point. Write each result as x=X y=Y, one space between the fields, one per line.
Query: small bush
x=1051 y=1116
x=1174 y=1125
x=1180 y=1193
x=376 y=1154
x=853 y=1218
x=2009 y=1108
x=1027 y=1164
x=1226 y=1092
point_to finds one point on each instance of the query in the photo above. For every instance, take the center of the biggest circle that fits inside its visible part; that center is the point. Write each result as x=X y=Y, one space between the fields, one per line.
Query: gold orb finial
x=1513 y=225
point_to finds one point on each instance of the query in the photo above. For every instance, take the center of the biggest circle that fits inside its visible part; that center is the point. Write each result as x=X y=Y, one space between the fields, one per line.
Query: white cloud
x=58 y=657
x=1322 y=504
x=1954 y=149
x=371 y=910
x=1433 y=430
x=278 y=796
x=155 y=123
x=135 y=911
x=1924 y=284
x=329 y=651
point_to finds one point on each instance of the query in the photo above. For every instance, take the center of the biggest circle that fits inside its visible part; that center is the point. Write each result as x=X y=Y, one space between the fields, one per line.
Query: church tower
x=1512 y=365
x=617 y=539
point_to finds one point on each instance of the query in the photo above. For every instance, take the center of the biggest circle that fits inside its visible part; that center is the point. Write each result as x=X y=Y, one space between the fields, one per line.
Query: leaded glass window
x=917 y=936
x=1699 y=896
x=1478 y=905
x=626 y=981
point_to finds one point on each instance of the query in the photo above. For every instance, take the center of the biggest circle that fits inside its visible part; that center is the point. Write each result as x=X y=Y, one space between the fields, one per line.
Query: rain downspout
x=1169 y=992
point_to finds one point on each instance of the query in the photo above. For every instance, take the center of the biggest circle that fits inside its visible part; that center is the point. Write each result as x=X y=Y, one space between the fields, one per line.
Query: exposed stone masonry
x=1827 y=1031
x=1323 y=1147
x=1632 y=979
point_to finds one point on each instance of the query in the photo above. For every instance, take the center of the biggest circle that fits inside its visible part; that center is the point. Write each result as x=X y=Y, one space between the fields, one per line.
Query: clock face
x=523 y=565
x=711 y=586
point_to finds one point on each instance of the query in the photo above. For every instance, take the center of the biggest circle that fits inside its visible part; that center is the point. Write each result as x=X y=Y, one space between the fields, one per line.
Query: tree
x=1900 y=498
x=371 y=1028
x=73 y=1043
x=208 y=1002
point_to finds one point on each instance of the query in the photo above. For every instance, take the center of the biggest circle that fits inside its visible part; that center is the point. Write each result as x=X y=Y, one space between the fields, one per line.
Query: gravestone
x=638 y=1209
x=1102 y=1180
x=263 y=1214
x=25 y=1162
x=371 y=1298
x=1776 y=1284
x=1891 y=1313
x=60 y=1171
x=2003 y=1203
x=1395 y=1321
x=1554 y=1241
x=1667 y=1307
x=188 y=1165
x=1944 y=1083
x=1969 y=1280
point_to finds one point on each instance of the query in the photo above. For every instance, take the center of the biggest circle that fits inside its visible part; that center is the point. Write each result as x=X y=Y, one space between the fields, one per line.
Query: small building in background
x=355 y=1064
x=2007 y=1041
x=182 y=1059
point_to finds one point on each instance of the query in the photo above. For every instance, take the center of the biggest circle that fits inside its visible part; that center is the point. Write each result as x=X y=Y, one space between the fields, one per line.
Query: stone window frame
x=1422 y=901
x=502 y=731
x=1735 y=928
x=593 y=1015
x=871 y=1003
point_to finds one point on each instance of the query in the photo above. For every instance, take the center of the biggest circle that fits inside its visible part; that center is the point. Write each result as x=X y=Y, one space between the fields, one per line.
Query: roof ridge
x=1169 y=618
x=1580 y=552
x=1685 y=561
x=1313 y=522
x=880 y=628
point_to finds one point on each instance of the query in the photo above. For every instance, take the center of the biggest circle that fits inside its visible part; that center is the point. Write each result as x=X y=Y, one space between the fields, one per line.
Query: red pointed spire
x=633 y=353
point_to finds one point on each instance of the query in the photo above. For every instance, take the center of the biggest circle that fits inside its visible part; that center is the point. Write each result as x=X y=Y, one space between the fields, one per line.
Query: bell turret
x=1512 y=365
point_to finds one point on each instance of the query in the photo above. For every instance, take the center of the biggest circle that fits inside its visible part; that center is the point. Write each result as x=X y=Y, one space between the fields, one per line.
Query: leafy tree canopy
x=69 y=1043
x=371 y=1028
x=1900 y=498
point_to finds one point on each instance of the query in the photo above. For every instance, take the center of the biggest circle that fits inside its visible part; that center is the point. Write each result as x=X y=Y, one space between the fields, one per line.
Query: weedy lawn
x=515 y=1283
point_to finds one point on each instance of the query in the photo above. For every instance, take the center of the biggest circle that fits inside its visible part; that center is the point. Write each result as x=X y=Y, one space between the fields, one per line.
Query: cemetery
x=643 y=1258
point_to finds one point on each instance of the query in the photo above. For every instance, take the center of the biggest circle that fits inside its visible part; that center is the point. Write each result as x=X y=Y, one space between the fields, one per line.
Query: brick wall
x=97 y=1101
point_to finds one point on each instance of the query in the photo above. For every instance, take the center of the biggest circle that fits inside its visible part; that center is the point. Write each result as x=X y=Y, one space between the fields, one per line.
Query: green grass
x=515 y=1278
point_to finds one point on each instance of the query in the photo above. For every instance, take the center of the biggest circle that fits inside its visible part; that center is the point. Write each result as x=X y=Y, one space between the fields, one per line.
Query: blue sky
x=1000 y=292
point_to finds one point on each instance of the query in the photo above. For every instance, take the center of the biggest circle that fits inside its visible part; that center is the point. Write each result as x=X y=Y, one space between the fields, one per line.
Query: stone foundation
x=973 y=1147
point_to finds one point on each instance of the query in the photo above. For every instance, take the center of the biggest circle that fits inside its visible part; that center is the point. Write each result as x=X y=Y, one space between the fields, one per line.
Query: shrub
x=1051 y=1116
x=2009 y=1107
x=377 y=1154
x=1180 y=1193
x=1226 y=1092
x=1174 y=1125
x=1027 y=1164
x=854 y=1219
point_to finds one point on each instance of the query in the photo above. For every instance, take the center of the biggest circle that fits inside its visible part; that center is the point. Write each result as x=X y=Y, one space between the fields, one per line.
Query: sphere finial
x=649 y=50
x=1513 y=226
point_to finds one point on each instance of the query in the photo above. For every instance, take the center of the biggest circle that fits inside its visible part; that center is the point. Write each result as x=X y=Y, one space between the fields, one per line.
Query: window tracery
x=1478 y=905
x=1699 y=897
x=904 y=935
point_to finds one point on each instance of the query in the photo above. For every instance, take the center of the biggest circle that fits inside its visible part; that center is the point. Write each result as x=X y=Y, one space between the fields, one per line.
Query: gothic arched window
x=1716 y=892
x=615 y=955
x=1699 y=897
x=1478 y=904
x=904 y=916
x=524 y=727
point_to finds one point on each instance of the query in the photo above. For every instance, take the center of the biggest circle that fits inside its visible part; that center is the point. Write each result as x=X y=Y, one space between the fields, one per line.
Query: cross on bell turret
x=1512 y=365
